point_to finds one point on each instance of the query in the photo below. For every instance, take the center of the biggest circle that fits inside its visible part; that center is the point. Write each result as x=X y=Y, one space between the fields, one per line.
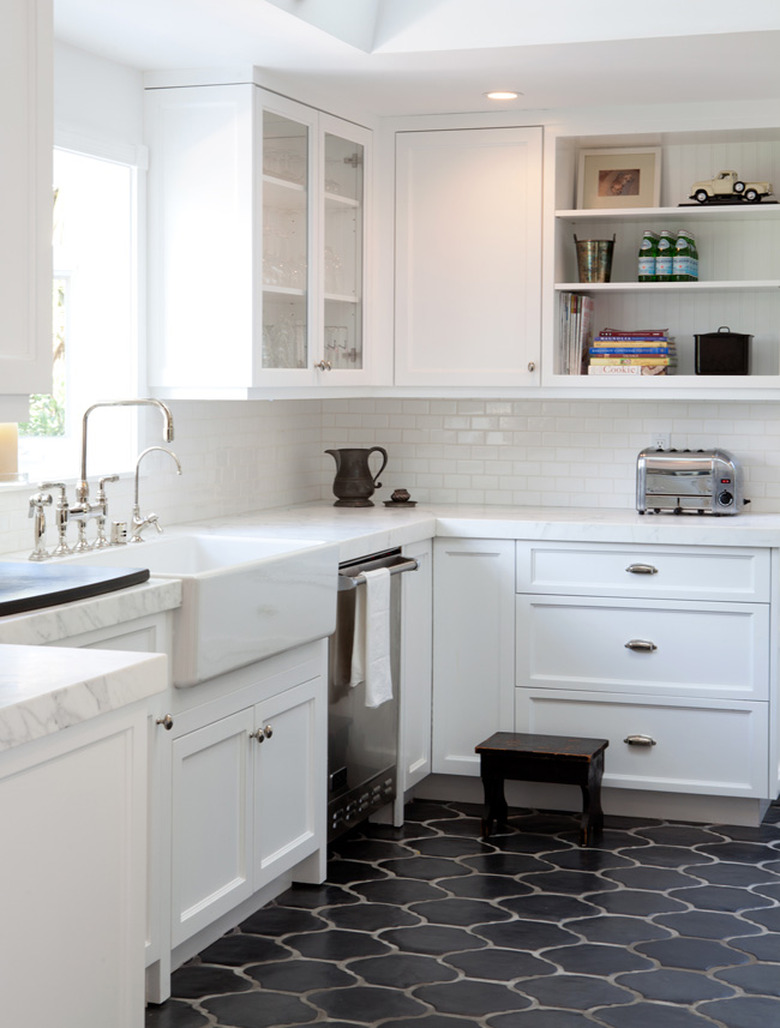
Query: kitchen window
x=95 y=322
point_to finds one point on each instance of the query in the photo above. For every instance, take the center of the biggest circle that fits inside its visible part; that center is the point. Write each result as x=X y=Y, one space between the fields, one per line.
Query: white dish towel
x=371 y=649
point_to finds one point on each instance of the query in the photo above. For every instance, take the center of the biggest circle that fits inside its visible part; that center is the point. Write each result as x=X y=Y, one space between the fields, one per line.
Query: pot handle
x=383 y=451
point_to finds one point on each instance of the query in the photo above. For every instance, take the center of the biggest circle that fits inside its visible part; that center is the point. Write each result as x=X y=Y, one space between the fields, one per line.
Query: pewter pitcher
x=354 y=482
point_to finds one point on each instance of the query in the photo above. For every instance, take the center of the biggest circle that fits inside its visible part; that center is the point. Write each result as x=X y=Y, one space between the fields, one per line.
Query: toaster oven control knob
x=725 y=499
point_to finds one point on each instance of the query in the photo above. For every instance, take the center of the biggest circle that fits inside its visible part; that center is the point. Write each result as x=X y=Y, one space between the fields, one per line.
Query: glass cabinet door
x=286 y=221
x=343 y=252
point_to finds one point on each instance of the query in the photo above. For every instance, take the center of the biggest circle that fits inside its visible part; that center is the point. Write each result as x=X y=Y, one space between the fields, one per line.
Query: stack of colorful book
x=632 y=352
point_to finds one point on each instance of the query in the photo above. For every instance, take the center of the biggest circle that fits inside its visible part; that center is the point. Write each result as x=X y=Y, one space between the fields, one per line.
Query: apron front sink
x=244 y=597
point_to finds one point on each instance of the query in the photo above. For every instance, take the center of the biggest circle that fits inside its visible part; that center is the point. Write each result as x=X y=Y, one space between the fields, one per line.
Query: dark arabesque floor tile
x=311 y=897
x=720 y=897
x=370 y=917
x=692 y=954
x=620 y=930
x=706 y=924
x=479 y=886
x=174 y=1014
x=471 y=998
x=236 y=950
x=300 y=975
x=524 y=930
x=194 y=980
x=667 y=985
x=366 y=1004
x=538 y=1018
x=402 y=970
x=463 y=912
x=259 y=1010
x=574 y=992
x=647 y=1015
x=399 y=891
x=496 y=964
x=743 y=1011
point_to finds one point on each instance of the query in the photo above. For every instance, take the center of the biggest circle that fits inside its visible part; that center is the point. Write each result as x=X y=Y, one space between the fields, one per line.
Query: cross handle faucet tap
x=138 y=522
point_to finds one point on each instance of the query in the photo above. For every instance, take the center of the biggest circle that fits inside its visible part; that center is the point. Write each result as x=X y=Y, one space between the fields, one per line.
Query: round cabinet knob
x=268 y=731
x=531 y=366
x=166 y=721
x=258 y=734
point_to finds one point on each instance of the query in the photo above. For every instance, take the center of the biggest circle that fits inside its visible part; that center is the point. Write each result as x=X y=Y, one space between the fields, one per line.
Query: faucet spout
x=140 y=523
x=82 y=487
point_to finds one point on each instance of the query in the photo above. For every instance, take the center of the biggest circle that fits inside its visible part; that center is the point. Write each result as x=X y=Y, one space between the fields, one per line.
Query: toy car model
x=728 y=184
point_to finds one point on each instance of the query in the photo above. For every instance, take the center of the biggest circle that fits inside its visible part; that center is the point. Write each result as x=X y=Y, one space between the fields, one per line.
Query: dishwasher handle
x=396 y=565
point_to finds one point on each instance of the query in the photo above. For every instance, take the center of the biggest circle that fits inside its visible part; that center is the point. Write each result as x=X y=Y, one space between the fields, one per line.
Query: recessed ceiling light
x=502 y=94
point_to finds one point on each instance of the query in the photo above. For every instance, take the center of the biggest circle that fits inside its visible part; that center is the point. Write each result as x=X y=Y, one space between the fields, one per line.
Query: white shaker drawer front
x=673 y=572
x=672 y=746
x=658 y=647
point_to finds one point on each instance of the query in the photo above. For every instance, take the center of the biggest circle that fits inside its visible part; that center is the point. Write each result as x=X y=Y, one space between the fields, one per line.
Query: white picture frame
x=611 y=179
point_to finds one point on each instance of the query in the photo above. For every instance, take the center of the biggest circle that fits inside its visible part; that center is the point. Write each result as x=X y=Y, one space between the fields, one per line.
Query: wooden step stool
x=542 y=758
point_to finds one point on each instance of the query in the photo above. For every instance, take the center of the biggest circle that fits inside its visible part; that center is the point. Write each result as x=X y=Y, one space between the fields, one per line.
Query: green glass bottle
x=648 y=251
x=664 y=257
x=685 y=264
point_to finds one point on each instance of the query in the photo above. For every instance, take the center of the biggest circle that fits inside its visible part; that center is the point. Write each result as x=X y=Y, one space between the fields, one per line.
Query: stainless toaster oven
x=688 y=481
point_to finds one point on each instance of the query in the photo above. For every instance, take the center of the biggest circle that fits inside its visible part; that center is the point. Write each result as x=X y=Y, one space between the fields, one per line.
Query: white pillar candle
x=9 y=448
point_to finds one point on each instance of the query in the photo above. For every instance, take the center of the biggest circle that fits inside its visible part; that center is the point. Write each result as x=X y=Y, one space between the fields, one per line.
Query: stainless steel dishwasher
x=362 y=741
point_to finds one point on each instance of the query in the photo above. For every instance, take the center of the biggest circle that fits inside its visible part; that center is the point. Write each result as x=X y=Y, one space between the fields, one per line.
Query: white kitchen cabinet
x=468 y=257
x=667 y=651
x=415 y=694
x=289 y=811
x=473 y=648
x=211 y=822
x=257 y=243
x=151 y=633
x=248 y=794
x=26 y=140
x=739 y=267
x=72 y=808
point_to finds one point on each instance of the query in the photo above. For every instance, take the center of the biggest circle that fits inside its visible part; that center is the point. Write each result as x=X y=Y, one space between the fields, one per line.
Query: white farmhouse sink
x=244 y=597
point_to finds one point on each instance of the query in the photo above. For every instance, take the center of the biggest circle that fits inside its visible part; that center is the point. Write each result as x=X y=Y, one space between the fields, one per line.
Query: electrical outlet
x=662 y=440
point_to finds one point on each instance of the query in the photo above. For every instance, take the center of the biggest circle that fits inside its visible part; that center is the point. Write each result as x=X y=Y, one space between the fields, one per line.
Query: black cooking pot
x=723 y=352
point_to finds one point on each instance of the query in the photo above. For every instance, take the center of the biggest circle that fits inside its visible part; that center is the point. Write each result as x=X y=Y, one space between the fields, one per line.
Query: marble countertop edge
x=44 y=689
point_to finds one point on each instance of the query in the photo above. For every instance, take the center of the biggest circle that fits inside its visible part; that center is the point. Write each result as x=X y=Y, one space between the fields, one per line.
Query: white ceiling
x=437 y=56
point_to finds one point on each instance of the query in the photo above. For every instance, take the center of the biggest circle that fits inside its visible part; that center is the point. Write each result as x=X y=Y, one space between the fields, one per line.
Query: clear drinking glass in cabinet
x=343 y=253
x=285 y=242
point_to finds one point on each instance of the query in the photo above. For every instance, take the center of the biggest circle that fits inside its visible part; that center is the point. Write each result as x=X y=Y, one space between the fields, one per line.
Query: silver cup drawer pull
x=641 y=645
x=641 y=569
x=639 y=740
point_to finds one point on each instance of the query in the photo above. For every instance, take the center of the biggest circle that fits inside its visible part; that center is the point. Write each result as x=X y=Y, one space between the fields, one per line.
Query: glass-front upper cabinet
x=313 y=247
x=257 y=259
x=344 y=200
x=286 y=242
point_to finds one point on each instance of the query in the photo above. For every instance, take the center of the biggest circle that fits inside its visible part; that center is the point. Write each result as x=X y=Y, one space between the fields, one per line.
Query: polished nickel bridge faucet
x=84 y=508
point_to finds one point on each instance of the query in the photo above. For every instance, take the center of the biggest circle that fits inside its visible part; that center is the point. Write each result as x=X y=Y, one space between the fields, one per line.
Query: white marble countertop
x=44 y=689
x=370 y=529
x=61 y=622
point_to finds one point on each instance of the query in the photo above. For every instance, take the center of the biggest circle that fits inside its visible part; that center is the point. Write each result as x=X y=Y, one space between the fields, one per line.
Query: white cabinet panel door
x=290 y=782
x=212 y=823
x=473 y=642
x=468 y=257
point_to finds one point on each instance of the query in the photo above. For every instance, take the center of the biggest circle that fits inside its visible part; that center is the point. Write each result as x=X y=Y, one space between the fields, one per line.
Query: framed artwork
x=612 y=178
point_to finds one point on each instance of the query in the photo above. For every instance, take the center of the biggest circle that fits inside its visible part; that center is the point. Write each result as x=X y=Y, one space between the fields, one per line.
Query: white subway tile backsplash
x=251 y=455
